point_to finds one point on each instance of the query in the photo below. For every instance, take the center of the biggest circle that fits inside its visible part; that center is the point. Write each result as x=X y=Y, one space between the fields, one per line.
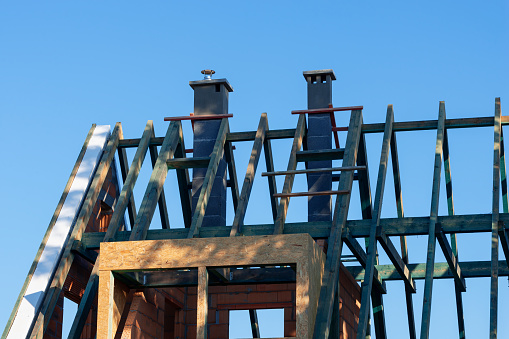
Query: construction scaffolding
x=311 y=146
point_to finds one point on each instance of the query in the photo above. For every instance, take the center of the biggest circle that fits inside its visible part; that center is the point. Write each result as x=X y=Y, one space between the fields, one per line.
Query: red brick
x=290 y=329
x=191 y=317
x=218 y=331
x=191 y=301
x=259 y=297
x=191 y=332
x=224 y=316
x=217 y=289
x=272 y=287
x=240 y=288
x=284 y=296
x=211 y=316
x=289 y=313
x=213 y=300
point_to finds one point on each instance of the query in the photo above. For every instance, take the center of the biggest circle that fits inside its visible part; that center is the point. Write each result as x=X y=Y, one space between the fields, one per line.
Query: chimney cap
x=224 y=82
x=320 y=72
x=208 y=71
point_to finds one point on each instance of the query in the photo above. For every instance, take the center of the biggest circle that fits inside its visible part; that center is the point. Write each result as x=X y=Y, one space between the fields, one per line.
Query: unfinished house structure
x=182 y=282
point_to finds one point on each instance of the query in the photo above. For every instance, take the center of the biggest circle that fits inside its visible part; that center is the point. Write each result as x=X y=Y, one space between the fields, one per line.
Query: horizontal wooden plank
x=357 y=228
x=199 y=117
x=315 y=170
x=184 y=163
x=317 y=155
x=432 y=124
x=366 y=128
x=469 y=269
x=309 y=194
x=271 y=134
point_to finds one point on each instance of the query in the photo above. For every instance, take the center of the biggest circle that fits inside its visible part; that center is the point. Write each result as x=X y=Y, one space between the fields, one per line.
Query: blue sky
x=66 y=65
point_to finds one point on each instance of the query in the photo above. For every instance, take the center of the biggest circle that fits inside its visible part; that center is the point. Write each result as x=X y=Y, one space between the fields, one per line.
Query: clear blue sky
x=66 y=65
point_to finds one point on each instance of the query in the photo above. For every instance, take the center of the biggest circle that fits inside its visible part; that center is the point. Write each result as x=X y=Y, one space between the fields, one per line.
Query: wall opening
x=270 y=321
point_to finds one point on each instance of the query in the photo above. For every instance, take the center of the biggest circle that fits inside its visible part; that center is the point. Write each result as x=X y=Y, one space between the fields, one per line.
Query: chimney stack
x=319 y=136
x=210 y=98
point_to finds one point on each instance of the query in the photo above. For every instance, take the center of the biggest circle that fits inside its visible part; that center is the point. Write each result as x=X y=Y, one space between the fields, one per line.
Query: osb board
x=297 y=249
x=182 y=253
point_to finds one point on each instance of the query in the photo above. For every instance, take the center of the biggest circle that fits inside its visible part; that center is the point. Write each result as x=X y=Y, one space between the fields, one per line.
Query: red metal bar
x=328 y=110
x=339 y=129
x=199 y=117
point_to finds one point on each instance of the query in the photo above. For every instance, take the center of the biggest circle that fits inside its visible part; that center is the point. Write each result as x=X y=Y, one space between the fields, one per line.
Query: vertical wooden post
x=435 y=194
x=367 y=284
x=404 y=250
x=454 y=244
x=494 y=223
x=203 y=304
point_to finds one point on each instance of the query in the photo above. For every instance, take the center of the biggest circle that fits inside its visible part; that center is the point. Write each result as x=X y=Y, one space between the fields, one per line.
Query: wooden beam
x=366 y=286
x=435 y=194
x=271 y=135
x=269 y=163
x=203 y=302
x=331 y=269
x=185 y=163
x=310 y=194
x=450 y=258
x=240 y=211
x=317 y=155
x=232 y=173
x=161 y=203
x=208 y=181
x=124 y=169
x=65 y=262
x=48 y=232
x=300 y=131
x=470 y=269
x=116 y=219
x=458 y=284
x=184 y=186
x=395 y=258
x=504 y=236
x=366 y=128
x=315 y=170
x=404 y=249
x=156 y=182
x=321 y=229
x=494 y=222
x=362 y=258
x=432 y=124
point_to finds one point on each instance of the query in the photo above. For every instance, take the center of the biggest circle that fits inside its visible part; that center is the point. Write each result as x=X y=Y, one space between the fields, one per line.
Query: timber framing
x=168 y=154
